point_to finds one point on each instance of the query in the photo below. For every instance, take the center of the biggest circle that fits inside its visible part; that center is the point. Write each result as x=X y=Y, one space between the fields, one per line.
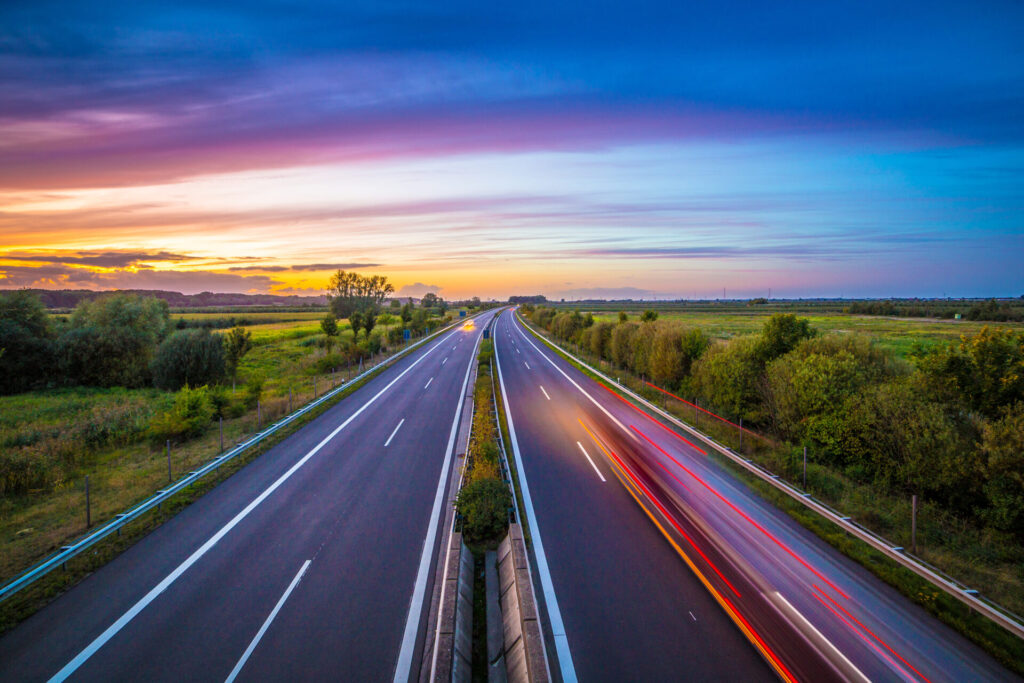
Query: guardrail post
x=88 y=507
x=169 y=461
x=913 y=522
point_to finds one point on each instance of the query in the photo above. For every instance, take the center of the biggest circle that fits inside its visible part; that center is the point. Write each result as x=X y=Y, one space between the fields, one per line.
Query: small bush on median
x=484 y=505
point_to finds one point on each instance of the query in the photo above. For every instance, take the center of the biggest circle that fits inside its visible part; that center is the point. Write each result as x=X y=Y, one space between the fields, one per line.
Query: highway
x=655 y=563
x=312 y=562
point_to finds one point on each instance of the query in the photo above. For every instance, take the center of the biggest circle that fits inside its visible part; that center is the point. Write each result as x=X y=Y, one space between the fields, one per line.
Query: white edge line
x=821 y=637
x=545 y=393
x=155 y=592
x=397 y=427
x=266 y=624
x=403 y=668
x=590 y=461
x=554 y=614
x=573 y=382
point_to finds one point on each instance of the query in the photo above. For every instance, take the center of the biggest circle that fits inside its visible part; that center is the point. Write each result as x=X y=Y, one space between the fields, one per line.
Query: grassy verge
x=867 y=507
x=121 y=478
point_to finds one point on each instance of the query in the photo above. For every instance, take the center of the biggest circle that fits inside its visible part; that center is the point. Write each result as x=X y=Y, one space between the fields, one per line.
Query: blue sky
x=647 y=149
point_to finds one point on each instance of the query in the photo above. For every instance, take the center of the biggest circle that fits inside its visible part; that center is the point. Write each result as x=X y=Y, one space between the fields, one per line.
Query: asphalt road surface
x=303 y=565
x=714 y=583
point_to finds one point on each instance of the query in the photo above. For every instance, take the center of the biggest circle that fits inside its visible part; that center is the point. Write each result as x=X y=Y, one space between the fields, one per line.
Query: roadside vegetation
x=101 y=392
x=484 y=502
x=945 y=423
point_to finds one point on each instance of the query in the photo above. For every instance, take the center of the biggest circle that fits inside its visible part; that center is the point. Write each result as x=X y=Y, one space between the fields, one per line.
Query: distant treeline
x=989 y=310
x=69 y=298
x=534 y=299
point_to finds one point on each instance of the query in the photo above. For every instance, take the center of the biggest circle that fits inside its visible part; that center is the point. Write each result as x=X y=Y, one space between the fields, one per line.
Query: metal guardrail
x=969 y=596
x=120 y=520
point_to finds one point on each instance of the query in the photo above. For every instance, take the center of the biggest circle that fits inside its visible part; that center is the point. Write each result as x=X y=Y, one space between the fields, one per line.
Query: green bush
x=26 y=469
x=484 y=505
x=328 y=363
x=189 y=357
x=111 y=340
x=26 y=347
x=188 y=418
x=253 y=391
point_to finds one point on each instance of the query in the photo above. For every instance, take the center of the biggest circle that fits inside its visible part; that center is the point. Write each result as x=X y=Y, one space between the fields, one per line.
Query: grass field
x=899 y=335
x=102 y=433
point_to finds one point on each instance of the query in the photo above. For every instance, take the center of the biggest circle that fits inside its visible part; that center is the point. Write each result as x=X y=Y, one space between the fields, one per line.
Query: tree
x=819 y=374
x=237 y=343
x=621 y=344
x=623 y=317
x=369 y=321
x=728 y=376
x=186 y=357
x=349 y=291
x=118 y=333
x=395 y=303
x=355 y=319
x=648 y=316
x=1002 y=447
x=781 y=334
x=329 y=325
x=430 y=300
x=406 y=313
x=665 y=363
x=26 y=340
x=984 y=372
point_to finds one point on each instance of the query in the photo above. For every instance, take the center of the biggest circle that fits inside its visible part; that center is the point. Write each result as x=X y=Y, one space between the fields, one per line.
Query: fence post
x=314 y=388
x=741 y=435
x=88 y=506
x=913 y=521
x=220 y=422
x=696 y=415
x=289 y=399
x=259 y=414
x=169 y=480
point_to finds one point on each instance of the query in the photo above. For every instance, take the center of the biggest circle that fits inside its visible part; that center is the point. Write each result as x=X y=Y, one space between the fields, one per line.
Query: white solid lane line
x=545 y=393
x=266 y=624
x=403 y=668
x=547 y=585
x=394 y=432
x=573 y=382
x=155 y=592
x=821 y=638
x=428 y=382
x=590 y=461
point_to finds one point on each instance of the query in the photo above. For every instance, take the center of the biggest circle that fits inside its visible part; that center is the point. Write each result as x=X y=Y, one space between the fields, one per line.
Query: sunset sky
x=585 y=149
